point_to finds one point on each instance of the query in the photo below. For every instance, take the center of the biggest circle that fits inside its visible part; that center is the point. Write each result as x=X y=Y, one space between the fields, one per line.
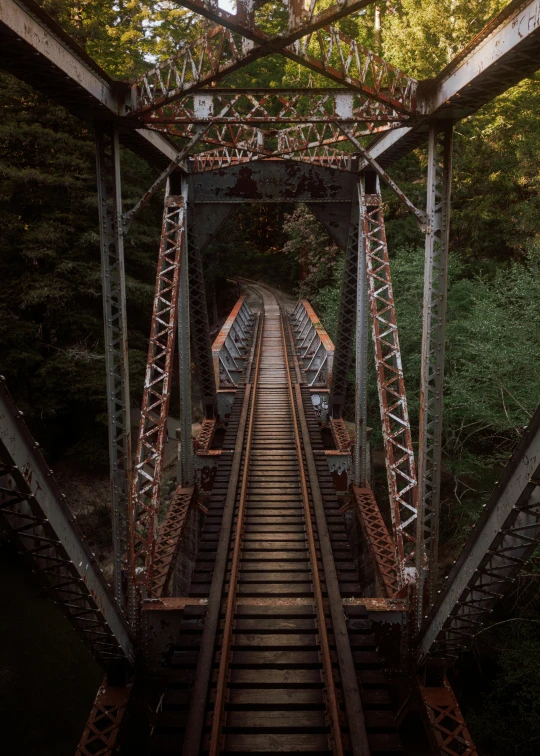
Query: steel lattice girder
x=447 y=728
x=116 y=346
x=432 y=364
x=326 y=51
x=346 y=313
x=274 y=106
x=146 y=490
x=283 y=142
x=200 y=328
x=100 y=734
x=502 y=541
x=37 y=518
x=224 y=157
x=37 y=50
x=400 y=465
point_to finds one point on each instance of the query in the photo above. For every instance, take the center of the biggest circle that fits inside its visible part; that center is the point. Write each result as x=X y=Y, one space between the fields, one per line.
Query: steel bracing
x=502 y=541
x=36 y=517
x=400 y=463
x=346 y=314
x=148 y=472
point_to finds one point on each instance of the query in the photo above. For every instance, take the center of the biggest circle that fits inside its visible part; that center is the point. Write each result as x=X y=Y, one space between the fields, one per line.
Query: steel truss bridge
x=272 y=607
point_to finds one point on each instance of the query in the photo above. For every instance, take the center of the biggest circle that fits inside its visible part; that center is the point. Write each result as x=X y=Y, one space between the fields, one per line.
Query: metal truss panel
x=400 y=465
x=208 y=219
x=273 y=106
x=347 y=311
x=224 y=157
x=273 y=181
x=447 y=728
x=432 y=364
x=326 y=50
x=231 y=346
x=330 y=52
x=168 y=540
x=146 y=490
x=380 y=545
x=100 y=735
x=302 y=141
x=38 y=520
x=502 y=541
x=313 y=345
x=116 y=345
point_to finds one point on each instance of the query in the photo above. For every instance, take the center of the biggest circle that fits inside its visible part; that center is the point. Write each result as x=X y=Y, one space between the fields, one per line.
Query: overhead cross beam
x=274 y=106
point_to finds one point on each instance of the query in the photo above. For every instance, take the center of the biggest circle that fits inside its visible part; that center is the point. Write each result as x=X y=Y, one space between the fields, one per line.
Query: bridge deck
x=275 y=661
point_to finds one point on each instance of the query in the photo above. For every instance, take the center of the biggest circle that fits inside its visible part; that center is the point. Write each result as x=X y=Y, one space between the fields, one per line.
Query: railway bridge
x=275 y=605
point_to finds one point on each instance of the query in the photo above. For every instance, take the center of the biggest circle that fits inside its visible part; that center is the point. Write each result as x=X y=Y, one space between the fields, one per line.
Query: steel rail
x=351 y=693
x=233 y=579
x=196 y=714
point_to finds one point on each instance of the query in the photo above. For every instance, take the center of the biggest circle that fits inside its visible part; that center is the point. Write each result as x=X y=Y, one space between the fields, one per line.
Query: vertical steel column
x=116 y=346
x=360 y=448
x=432 y=370
x=185 y=475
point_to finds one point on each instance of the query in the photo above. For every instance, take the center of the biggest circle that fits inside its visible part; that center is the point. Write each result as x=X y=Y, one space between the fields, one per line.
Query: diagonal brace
x=420 y=216
x=129 y=216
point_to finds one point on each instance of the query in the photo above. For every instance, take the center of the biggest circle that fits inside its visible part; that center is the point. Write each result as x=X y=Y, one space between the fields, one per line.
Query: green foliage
x=51 y=323
x=314 y=252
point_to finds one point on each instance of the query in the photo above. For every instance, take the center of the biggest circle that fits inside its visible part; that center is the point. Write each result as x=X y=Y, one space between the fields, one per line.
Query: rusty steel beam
x=283 y=142
x=146 y=489
x=195 y=137
x=100 y=735
x=419 y=215
x=380 y=545
x=432 y=363
x=224 y=157
x=447 y=729
x=333 y=54
x=37 y=519
x=347 y=310
x=360 y=467
x=273 y=106
x=400 y=464
x=168 y=540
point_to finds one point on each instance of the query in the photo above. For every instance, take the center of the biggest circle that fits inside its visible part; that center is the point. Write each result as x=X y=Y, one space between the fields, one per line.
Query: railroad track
x=275 y=671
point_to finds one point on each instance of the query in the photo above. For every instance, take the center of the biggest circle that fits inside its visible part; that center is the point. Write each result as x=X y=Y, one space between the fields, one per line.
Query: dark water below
x=48 y=679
